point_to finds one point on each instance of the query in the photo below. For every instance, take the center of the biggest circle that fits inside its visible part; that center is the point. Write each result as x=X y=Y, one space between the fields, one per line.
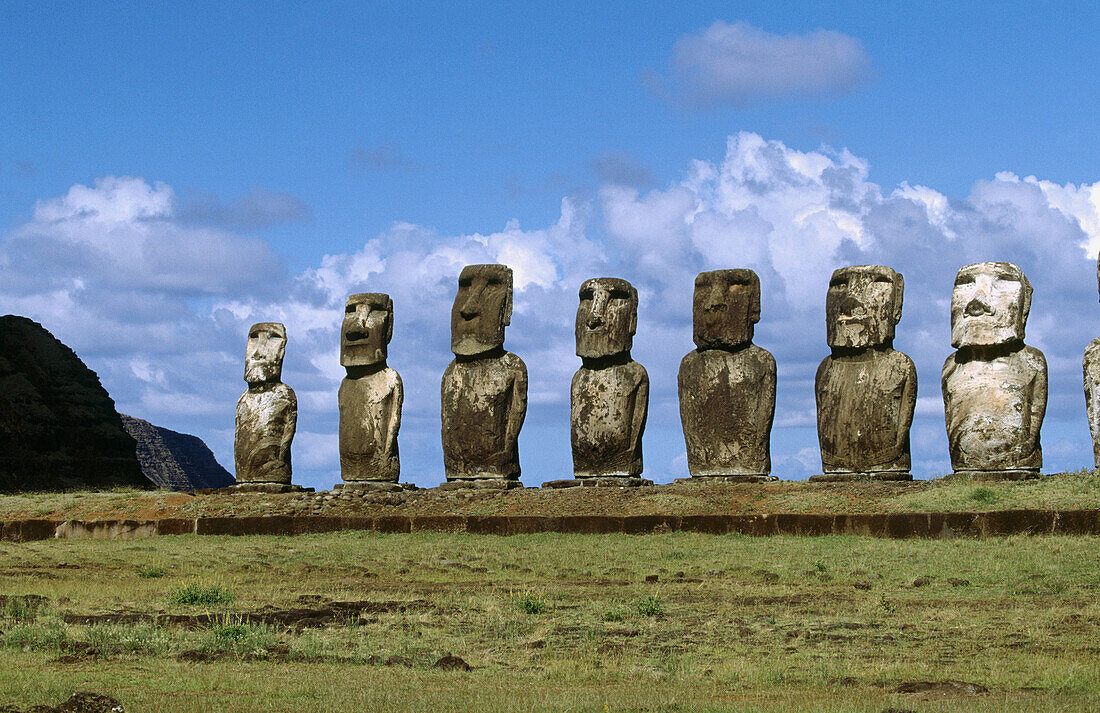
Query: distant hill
x=175 y=461
x=58 y=426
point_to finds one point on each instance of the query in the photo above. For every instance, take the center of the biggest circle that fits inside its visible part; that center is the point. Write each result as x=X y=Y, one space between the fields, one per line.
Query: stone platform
x=993 y=475
x=259 y=488
x=611 y=482
x=481 y=484
x=881 y=477
x=372 y=486
x=887 y=525
x=707 y=479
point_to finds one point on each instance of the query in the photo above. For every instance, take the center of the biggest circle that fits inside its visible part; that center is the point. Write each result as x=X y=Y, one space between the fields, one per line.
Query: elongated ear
x=507 y=318
x=754 y=308
x=634 y=311
x=899 y=295
x=389 y=319
x=1026 y=308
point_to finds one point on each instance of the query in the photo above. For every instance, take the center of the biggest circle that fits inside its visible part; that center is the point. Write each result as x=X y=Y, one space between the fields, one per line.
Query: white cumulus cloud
x=737 y=64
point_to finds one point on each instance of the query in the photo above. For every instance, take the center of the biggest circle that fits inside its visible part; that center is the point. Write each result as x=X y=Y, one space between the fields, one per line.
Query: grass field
x=357 y=622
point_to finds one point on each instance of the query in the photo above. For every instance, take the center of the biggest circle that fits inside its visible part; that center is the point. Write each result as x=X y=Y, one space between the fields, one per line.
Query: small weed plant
x=650 y=606
x=529 y=603
x=983 y=495
x=151 y=572
x=199 y=593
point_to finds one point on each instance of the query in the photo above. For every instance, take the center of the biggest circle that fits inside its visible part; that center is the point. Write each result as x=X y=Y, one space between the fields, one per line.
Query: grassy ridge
x=554 y=622
x=1066 y=491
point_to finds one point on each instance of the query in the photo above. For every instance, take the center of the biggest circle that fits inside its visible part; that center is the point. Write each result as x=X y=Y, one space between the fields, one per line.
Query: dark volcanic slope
x=58 y=427
x=175 y=461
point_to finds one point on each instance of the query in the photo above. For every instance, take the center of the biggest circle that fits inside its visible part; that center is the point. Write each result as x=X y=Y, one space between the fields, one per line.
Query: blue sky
x=226 y=151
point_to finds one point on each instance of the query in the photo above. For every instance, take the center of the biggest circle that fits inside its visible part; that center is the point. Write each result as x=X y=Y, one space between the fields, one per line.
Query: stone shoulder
x=1092 y=351
x=1037 y=359
x=752 y=352
x=512 y=361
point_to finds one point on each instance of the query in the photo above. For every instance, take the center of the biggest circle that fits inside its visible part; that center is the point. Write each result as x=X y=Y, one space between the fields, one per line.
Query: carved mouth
x=355 y=336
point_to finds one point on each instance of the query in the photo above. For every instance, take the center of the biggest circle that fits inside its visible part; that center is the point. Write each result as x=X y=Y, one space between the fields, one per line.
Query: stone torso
x=727 y=402
x=994 y=410
x=483 y=405
x=864 y=409
x=608 y=416
x=266 y=419
x=1092 y=394
x=370 y=416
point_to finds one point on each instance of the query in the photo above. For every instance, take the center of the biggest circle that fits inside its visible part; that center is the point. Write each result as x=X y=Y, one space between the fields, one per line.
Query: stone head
x=607 y=317
x=366 y=330
x=989 y=305
x=482 y=309
x=263 y=356
x=863 y=306
x=724 y=308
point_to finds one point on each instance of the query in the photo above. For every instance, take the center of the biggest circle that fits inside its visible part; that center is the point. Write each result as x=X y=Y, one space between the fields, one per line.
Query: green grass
x=1067 y=491
x=649 y=606
x=151 y=572
x=557 y=623
x=200 y=594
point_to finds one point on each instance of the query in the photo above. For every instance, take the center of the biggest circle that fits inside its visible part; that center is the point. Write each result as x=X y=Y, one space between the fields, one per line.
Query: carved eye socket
x=883 y=278
x=839 y=283
x=964 y=280
x=349 y=309
x=586 y=294
x=619 y=295
x=464 y=282
x=494 y=281
x=254 y=335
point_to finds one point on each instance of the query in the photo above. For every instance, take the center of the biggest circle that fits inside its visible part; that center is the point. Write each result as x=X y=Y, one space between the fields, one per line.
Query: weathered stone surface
x=484 y=390
x=706 y=479
x=608 y=482
x=267 y=412
x=609 y=396
x=727 y=385
x=481 y=484
x=58 y=427
x=1091 y=364
x=175 y=461
x=372 y=486
x=371 y=395
x=266 y=488
x=866 y=391
x=994 y=387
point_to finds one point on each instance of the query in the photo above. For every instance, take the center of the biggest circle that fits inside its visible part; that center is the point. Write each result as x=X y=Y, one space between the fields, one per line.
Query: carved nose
x=595 y=316
x=977 y=307
x=852 y=307
x=470 y=307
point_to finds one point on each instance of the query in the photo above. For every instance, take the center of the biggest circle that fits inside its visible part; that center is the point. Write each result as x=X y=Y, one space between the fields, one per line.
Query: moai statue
x=727 y=385
x=610 y=392
x=371 y=394
x=484 y=390
x=1092 y=387
x=267 y=412
x=994 y=386
x=866 y=391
